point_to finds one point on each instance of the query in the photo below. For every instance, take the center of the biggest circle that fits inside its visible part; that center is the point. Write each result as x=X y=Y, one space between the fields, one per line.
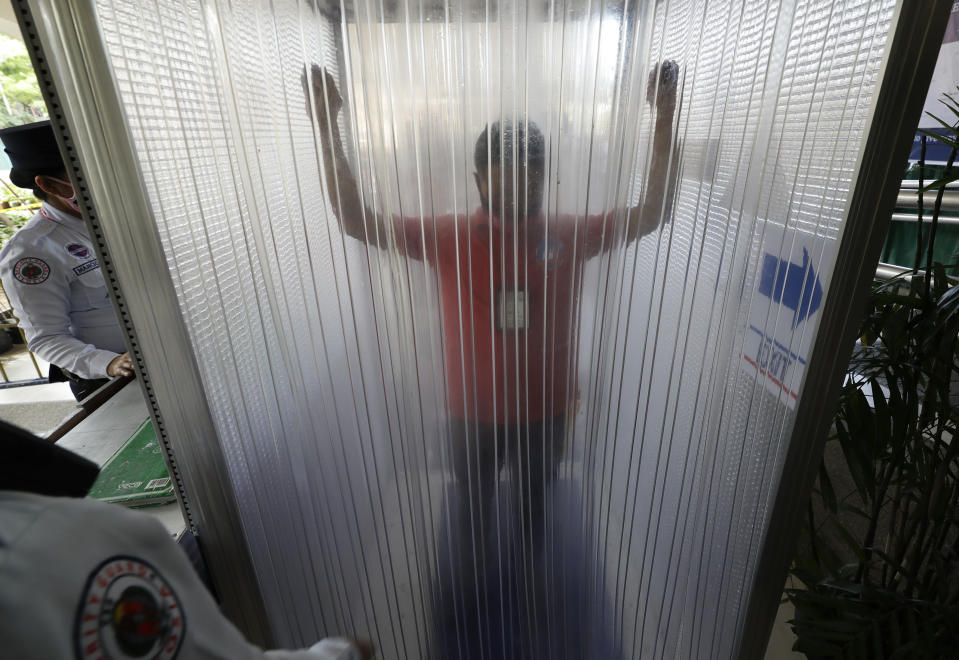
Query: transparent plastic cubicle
x=497 y=329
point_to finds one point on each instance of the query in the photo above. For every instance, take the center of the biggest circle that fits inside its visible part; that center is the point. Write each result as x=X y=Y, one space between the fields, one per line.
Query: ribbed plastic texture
x=547 y=429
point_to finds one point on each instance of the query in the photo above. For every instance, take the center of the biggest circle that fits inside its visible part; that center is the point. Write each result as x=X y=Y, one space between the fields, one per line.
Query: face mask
x=71 y=201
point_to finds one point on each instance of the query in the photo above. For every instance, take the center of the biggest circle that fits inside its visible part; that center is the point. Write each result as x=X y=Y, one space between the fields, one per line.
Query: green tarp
x=900 y=247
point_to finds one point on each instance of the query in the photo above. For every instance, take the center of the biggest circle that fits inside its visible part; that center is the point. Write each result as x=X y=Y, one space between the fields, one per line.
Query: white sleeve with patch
x=84 y=579
x=39 y=293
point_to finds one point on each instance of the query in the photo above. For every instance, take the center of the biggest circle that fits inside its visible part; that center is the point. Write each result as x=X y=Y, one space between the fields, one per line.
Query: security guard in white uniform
x=84 y=579
x=51 y=274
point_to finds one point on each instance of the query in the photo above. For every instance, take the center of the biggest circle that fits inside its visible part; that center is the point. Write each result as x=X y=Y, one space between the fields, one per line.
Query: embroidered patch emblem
x=548 y=251
x=128 y=610
x=31 y=270
x=86 y=267
x=78 y=251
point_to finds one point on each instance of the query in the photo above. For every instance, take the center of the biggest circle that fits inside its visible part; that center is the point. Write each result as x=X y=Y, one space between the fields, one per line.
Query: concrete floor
x=782 y=639
x=19 y=367
x=37 y=408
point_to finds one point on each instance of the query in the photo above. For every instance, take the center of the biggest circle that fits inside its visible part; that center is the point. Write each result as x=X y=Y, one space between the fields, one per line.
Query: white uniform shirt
x=53 y=280
x=84 y=579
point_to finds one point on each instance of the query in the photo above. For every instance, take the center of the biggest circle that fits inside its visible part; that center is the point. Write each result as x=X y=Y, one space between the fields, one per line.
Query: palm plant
x=879 y=569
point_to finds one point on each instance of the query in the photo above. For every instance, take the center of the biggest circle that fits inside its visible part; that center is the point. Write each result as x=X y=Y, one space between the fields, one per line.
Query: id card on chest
x=512 y=309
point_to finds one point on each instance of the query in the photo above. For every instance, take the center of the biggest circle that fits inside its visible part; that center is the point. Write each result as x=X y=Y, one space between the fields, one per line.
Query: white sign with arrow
x=789 y=288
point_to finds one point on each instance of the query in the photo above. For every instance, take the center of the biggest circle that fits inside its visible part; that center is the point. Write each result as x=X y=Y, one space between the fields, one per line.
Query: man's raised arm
x=657 y=203
x=358 y=220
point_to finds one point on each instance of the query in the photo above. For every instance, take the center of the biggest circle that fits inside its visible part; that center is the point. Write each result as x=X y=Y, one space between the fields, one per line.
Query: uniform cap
x=33 y=150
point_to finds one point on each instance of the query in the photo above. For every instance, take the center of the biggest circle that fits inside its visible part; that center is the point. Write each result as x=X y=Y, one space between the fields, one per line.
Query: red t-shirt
x=509 y=307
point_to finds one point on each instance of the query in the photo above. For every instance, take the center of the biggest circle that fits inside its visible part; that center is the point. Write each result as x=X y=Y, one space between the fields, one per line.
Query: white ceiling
x=8 y=20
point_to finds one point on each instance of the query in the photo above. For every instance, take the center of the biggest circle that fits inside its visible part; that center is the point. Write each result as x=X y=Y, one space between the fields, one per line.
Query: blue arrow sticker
x=794 y=285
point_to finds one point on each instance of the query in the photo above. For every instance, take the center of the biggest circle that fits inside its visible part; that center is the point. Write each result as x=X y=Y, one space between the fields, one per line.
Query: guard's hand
x=661 y=86
x=121 y=365
x=322 y=96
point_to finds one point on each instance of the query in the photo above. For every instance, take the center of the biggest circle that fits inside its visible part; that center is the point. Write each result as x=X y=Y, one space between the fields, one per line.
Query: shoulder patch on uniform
x=128 y=610
x=31 y=270
x=78 y=251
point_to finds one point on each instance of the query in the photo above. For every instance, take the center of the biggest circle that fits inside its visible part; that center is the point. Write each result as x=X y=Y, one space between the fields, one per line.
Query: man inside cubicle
x=509 y=276
x=51 y=274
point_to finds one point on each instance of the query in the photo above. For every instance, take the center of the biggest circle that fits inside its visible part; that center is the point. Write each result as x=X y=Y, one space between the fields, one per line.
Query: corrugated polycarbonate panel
x=502 y=310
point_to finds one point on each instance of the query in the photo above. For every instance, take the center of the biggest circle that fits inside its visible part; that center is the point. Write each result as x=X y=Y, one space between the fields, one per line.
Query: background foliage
x=20 y=103
x=20 y=98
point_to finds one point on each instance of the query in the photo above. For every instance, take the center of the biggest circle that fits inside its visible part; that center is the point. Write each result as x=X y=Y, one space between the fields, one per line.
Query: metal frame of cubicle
x=68 y=54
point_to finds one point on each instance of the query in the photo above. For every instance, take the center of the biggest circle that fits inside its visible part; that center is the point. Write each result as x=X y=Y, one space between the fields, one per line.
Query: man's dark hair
x=507 y=144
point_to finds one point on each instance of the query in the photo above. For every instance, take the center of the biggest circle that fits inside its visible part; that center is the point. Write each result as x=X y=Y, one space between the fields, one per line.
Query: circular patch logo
x=31 y=270
x=128 y=610
x=78 y=251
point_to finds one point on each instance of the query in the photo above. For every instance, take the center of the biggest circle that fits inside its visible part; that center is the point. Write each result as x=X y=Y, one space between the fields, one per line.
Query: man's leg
x=84 y=387
x=534 y=453
x=538 y=451
x=474 y=468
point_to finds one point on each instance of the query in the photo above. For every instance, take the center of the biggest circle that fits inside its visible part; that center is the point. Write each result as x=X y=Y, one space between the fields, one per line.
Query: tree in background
x=20 y=103
x=20 y=98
